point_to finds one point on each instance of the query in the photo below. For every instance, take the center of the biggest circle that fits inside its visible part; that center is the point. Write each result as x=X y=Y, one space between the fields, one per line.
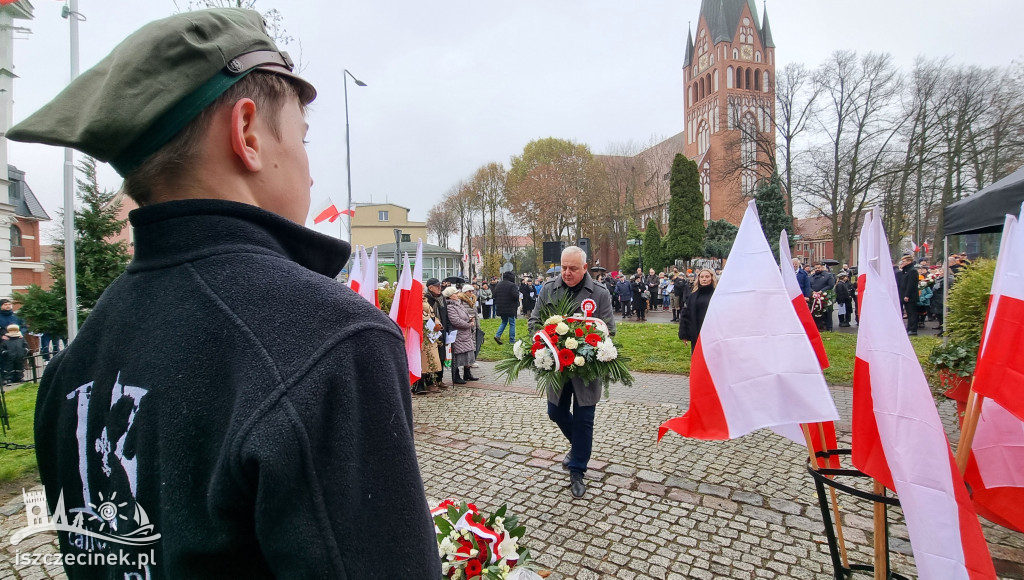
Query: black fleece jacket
x=255 y=409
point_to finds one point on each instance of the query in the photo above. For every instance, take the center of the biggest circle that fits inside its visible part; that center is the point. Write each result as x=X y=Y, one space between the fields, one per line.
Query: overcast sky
x=455 y=84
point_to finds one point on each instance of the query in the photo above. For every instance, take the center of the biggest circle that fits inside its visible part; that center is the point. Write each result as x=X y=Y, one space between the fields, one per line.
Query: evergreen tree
x=97 y=260
x=771 y=207
x=629 y=259
x=685 y=238
x=652 y=248
x=719 y=238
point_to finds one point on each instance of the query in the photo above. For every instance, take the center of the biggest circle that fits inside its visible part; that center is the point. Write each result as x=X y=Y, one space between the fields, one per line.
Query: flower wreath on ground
x=569 y=346
x=821 y=302
x=474 y=546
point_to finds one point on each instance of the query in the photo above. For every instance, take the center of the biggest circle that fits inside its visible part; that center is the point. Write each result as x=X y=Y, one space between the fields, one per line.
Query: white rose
x=578 y=361
x=553 y=320
x=571 y=343
x=562 y=328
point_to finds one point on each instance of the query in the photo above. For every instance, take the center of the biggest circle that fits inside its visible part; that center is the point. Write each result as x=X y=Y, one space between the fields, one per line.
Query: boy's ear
x=245 y=141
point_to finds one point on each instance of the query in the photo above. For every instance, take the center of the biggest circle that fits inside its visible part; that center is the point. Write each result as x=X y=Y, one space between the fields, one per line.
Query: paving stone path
x=679 y=509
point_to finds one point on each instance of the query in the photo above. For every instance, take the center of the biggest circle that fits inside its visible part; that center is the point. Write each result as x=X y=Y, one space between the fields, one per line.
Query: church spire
x=689 y=47
x=766 y=31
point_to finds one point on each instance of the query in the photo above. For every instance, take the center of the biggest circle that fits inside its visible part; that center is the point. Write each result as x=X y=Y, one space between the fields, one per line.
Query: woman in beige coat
x=431 y=360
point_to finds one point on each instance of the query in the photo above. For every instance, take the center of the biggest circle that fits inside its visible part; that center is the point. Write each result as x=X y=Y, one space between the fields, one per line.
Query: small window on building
x=406 y=237
x=15 y=236
x=382 y=216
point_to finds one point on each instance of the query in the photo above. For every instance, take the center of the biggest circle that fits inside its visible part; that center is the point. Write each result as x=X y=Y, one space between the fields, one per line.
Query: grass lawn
x=21 y=404
x=656 y=348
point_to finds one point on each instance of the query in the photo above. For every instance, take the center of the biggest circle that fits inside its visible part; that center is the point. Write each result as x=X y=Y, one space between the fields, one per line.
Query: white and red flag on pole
x=864 y=244
x=823 y=434
x=999 y=374
x=407 y=312
x=368 y=280
x=355 y=275
x=329 y=211
x=898 y=437
x=753 y=366
x=995 y=467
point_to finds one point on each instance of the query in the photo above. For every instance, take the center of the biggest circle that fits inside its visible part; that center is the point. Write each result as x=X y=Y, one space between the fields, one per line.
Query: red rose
x=579 y=332
x=536 y=346
x=550 y=329
x=566 y=357
x=593 y=339
x=473 y=569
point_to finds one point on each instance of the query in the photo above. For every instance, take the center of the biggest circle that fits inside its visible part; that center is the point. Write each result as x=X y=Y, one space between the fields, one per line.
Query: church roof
x=25 y=203
x=766 y=31
x=723 y=17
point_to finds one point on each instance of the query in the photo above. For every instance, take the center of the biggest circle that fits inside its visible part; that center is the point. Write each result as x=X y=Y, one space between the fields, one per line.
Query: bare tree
x=795 y=96
x=441 y=223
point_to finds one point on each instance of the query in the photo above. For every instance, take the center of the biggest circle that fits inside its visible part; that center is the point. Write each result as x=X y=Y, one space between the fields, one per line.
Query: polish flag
x=995 y=469
x=368 y=283
x=863 y=251
x=999 y=374
x=823 y=435
x=326 y=211
x=925 y=247
x=753 y=366
x=898 y=437
x=407 y=312
x=355 y=275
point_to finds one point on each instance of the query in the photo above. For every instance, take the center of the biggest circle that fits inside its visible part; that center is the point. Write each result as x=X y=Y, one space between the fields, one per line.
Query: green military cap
x=151 y=85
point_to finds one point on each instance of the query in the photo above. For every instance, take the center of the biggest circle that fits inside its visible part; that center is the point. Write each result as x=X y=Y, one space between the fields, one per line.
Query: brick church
x=729 y=104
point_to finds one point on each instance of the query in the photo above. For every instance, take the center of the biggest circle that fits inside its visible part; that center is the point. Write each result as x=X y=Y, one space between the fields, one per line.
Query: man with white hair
x=802 y=279
x=572 y=408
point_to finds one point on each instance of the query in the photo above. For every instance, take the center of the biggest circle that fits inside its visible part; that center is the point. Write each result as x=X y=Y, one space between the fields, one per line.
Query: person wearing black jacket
x=506 y=306
x=680 y=291
x=821 y=281
x=639 y=302
x=909 y=293
x=692 y=319
x=844 y=298
x=528 y=294
x=268 y=433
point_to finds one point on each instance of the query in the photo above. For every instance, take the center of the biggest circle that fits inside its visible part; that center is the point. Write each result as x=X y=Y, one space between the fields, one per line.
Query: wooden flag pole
x=881 y=547
x=835 y=501
x=970 y=425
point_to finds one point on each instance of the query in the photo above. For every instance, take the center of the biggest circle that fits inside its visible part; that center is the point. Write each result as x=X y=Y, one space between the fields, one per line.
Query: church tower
x=729 y=93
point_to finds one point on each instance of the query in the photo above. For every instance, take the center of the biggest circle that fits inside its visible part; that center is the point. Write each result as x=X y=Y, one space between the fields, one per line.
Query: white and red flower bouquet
x=474 y=546
x=568 y=346
x=821 y=302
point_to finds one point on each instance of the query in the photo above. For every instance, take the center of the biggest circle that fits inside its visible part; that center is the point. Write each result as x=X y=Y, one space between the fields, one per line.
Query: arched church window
x=757 y=56
x=708 y=85
x=739 y=77
x=715 y=79
x=764 y=84
x=746 y=80
x=757 y=80
x=703 y=137
x=728 y=78
x=689 y=94
x=700 y=91
x=15 y=236
x=748 y=152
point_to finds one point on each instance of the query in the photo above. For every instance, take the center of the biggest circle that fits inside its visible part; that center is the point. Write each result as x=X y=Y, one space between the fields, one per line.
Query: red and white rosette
x=589 y=307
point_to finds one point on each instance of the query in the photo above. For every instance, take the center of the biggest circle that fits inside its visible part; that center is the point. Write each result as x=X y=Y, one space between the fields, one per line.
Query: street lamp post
x=348 y=156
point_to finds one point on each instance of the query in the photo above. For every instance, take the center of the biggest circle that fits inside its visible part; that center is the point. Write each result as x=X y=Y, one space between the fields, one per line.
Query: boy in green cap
x=176 y=431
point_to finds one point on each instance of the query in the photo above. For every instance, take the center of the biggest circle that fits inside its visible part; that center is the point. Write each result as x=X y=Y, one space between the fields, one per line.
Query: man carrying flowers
x=572 y=407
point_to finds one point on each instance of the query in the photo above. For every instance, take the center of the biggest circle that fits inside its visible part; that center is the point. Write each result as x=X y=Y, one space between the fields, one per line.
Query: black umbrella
x=598 y=269
x=830 y=262
x=454 y=280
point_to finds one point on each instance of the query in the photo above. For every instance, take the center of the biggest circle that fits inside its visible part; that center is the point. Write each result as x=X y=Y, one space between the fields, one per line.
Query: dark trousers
x=577 y=426
x=845 y=318
x=487 y=310
x=627 y=308
x=14 y=368
x=911 y=317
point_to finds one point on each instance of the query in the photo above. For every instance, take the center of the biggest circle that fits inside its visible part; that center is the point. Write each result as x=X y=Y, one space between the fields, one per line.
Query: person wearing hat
x=907 y=283
x=9 y=317
x=249 y=459
x=440 y=307
x=13 y=352
x=462 y=319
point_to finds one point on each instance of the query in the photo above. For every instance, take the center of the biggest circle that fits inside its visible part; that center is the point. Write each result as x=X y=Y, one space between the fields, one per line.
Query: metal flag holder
x=824 y=476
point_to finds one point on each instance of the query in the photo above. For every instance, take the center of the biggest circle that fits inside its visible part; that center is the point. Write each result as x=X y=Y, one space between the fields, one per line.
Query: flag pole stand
x=832 y=491
x=823 y=477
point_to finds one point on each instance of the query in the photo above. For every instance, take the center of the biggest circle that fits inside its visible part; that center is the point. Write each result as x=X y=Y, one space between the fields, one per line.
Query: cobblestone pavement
x=679 y=509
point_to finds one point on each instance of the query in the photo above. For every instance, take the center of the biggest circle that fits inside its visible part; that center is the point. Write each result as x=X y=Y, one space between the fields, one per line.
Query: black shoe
x=911 y=333
x=467 y=376
x=456 y=379
x=576 y=485
x=565 y=462
x=497 y=339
